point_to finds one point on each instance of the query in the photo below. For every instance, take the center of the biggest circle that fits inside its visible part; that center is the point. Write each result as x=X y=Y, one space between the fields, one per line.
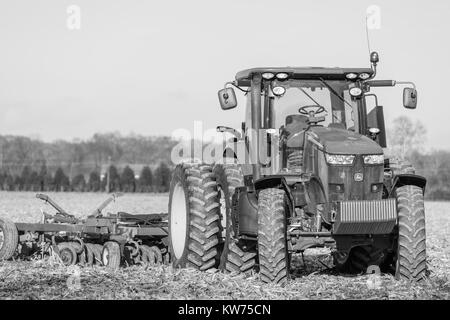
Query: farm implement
x=109 y=240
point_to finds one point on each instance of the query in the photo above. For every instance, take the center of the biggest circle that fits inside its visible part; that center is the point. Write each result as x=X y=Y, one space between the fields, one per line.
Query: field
x=315 y=280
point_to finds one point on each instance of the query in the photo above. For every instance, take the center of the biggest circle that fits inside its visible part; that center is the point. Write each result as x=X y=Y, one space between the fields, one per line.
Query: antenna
x=368 y=36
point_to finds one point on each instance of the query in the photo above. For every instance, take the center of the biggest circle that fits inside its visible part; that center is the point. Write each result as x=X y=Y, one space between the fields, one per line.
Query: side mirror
x=227 y=99
x=410 y=98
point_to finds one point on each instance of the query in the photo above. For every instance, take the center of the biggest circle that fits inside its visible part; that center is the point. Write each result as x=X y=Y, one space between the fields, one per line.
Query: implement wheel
x=9 y=239
x=111 y=256
x=67 y=253
x=272 y=245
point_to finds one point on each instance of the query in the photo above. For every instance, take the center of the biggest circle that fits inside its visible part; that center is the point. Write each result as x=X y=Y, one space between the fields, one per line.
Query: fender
x=238 y=151
x=278 y=182
x=401 y=180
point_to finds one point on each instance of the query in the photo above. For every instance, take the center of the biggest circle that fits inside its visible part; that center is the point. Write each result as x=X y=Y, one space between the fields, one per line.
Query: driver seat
x=296 y=125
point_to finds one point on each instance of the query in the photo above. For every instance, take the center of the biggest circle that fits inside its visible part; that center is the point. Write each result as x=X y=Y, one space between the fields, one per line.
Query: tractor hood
x=341 y=141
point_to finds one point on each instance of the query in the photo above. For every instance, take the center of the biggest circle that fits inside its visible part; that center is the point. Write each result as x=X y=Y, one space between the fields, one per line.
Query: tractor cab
x=290 y=110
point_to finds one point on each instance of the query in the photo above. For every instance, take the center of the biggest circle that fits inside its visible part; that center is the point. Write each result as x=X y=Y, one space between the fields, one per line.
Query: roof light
x=355 y=92
x=268 y=75
x=282 y=76
x=364 y=76
x=351 y=76
x=278 y=91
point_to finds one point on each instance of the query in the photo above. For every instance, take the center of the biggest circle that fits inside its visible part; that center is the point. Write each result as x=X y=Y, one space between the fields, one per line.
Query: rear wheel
x=272 y=245
x=236 y=257
x=9 y=239
x=194 y=222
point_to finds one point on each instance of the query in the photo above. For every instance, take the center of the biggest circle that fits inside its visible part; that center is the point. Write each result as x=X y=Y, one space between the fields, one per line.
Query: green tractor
x=307 y=171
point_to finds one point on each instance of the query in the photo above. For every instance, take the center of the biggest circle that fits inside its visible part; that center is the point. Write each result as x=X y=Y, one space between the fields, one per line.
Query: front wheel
x=272 y=245
x=410 y=259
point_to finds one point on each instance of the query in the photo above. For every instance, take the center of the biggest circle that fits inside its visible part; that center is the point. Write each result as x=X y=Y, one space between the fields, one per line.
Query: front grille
x=366 y=217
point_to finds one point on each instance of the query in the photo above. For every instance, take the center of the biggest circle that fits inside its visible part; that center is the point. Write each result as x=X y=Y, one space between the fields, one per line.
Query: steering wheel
x=307 y=110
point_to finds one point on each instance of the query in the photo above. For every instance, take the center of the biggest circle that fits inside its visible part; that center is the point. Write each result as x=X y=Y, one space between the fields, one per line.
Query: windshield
x=334 y=96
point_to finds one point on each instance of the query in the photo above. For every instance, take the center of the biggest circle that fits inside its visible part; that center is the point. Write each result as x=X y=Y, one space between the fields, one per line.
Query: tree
x=146 y=180
x=61 y=181
x=18 y=183
x=25 y=178
x=94 y=182
x=2 y=181
x=78 y=183
x=162 y=178
x=114 y=180
x=127 y=180
x=9 y=182
x=45 y=179
x=406 y=136
x=34 y=181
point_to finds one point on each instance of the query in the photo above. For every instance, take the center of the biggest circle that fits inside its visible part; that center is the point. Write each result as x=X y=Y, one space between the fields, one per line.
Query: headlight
x=282 y=76
x=355 y=92
x=337 y=159
x=278 y=91
x=364 y=76
x=268 y=75
x=374 y=159
x=351 y=76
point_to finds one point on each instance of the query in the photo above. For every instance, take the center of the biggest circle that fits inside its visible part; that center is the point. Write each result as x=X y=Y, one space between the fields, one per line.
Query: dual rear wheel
x=202 y=235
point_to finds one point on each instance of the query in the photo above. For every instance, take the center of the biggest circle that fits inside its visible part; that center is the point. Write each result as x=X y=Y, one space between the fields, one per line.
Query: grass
x=315 y=280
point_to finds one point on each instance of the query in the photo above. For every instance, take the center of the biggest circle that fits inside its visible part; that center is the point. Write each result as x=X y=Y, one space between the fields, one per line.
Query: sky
x=150 y=68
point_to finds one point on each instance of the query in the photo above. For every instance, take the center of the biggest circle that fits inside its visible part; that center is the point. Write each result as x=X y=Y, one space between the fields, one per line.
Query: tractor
x=306 y=170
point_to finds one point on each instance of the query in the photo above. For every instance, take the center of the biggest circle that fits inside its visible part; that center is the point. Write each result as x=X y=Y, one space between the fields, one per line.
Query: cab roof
x=300 y=73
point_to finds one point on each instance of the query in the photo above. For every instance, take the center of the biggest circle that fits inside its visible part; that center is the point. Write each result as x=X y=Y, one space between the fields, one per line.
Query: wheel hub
x=66 y=256
x=178 y=220
x=105 y=257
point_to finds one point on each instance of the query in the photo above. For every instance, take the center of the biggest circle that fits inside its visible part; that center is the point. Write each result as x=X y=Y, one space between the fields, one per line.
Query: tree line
x=31 y=165
x=124 y=181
